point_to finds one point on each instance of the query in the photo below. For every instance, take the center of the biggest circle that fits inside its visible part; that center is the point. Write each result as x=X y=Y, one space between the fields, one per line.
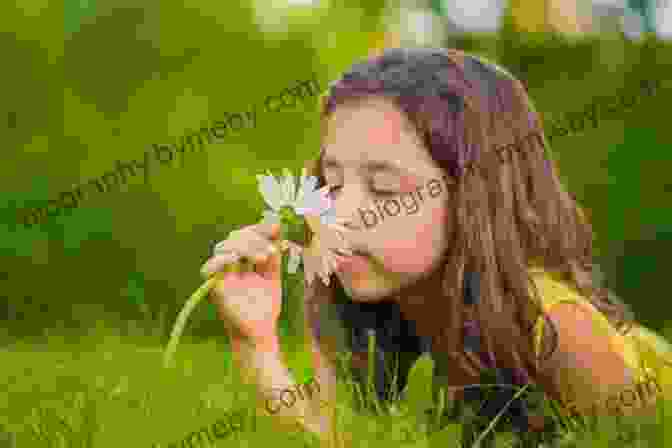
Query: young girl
x=490 y=265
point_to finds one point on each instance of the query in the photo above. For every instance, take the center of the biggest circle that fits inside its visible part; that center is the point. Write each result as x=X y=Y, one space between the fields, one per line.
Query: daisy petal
x=315 y=202
x=307 y=185
x=328 y=217
x=270 y=217
x=304 y=176
x=299 y=188
x=320 y=259
x=289 y=187
x=294 y=259
x=271 y=191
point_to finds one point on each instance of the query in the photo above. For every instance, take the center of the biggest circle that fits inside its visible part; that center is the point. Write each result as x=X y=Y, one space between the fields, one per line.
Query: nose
x=346 y=205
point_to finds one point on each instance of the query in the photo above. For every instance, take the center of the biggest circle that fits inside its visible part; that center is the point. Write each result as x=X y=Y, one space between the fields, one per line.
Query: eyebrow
x=374 y=165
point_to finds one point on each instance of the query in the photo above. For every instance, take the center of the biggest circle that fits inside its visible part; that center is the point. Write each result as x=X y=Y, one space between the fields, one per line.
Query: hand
x=249 y=296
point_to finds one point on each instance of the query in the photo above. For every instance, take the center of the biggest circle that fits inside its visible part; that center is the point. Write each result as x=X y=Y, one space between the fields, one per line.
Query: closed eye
x=384 y=193
x=336 y=188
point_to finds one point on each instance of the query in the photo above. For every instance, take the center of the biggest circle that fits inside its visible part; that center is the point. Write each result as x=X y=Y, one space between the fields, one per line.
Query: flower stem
x=194 y=300
x=188 y=307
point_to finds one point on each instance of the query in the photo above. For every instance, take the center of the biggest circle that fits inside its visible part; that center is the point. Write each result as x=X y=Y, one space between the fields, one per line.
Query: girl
x=489 y=268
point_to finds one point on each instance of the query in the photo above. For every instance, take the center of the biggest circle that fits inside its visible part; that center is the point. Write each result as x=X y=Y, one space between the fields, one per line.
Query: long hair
x=508 y=206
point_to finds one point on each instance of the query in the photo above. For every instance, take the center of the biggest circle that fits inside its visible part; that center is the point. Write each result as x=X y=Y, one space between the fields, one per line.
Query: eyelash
x=380 y=193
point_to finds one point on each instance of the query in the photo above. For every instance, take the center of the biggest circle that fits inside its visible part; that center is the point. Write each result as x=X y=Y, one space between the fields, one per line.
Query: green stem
x=190 y=305
x=178 y=328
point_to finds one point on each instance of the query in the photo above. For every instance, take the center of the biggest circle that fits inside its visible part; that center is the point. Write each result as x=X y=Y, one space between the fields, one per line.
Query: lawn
x=109 y=389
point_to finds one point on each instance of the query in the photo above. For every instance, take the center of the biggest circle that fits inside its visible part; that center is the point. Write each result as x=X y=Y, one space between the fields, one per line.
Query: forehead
x=373 y=130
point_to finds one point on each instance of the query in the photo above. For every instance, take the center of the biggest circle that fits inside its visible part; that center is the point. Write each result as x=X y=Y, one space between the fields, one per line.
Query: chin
x=366 y=298
x=367 y=290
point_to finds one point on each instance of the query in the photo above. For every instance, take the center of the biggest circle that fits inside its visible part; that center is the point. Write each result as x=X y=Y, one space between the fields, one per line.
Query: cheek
x=418 y=244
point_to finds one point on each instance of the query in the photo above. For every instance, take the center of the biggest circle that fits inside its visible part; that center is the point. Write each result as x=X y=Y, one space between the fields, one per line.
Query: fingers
x=249 y=240
x=247 y=243
x=244 y=245
x=252 y=244
x=269 y=266
x=268 y=231
x=218 y=264
x=223 y=263
x=222 y=248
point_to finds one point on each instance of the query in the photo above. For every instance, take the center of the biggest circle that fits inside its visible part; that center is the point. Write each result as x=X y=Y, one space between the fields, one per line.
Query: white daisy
x=316 y=207
x=304 y=200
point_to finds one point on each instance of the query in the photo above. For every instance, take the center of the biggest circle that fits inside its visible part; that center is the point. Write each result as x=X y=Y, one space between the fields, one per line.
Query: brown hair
x=510 y=208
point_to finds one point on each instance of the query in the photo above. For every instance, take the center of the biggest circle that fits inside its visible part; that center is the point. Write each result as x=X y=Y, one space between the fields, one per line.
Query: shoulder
x=565 y=303
x=573 y=316
x=585 y=337
x=561 y=304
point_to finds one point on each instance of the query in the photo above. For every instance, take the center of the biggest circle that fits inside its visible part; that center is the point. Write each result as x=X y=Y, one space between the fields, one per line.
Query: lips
x=355 y=264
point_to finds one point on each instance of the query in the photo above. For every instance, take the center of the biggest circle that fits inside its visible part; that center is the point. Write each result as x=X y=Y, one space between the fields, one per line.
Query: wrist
x=267 y=341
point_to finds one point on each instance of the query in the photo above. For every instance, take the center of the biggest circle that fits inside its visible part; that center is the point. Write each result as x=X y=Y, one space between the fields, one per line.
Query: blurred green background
x=87 y=83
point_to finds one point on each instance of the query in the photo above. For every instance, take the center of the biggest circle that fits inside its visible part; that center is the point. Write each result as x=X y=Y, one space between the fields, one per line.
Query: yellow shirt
x=646 y=353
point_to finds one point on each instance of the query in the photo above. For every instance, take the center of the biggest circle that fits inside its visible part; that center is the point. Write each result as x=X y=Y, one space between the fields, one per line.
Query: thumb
x=272 y=267
x=267 y=230
x=275 y=231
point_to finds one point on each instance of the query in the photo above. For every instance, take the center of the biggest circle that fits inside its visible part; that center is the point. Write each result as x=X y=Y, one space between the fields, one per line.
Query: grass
x=109 y=389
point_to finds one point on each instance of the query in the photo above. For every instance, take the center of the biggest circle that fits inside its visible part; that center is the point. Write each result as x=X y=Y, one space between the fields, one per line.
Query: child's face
x=408 y=241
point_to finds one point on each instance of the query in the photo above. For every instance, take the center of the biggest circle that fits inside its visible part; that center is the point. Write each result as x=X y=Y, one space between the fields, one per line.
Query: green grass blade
x=494 y=421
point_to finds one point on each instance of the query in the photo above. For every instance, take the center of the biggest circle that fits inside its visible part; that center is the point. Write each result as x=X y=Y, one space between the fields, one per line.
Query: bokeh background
x=88 y=82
